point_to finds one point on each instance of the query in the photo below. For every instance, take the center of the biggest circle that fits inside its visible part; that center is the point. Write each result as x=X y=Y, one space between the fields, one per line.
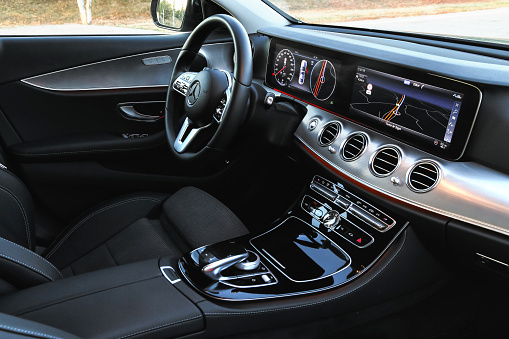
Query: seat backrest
x=21 y=268
x=16 y=211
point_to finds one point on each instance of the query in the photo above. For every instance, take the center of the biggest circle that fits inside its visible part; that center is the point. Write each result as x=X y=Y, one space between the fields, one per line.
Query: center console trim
x=270 y=258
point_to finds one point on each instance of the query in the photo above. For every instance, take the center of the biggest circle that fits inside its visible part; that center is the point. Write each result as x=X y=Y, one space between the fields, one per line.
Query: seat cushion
x=143 y=226
x=120 y=231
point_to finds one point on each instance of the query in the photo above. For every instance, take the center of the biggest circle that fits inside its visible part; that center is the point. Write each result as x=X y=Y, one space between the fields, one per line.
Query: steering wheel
x=205 y=109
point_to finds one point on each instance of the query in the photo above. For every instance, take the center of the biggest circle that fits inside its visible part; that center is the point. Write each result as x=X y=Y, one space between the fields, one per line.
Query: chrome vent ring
x=329 y=133
x=385 y=161
x=354 y=146
x=423 y=176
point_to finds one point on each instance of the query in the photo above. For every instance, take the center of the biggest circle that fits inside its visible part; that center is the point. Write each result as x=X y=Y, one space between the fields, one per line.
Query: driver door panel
x=63 y=129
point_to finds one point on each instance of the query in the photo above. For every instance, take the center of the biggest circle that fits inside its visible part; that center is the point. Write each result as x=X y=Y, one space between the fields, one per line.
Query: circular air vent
x=329 y=133
x=354 y=146
x=385 y=161
x=423 y=176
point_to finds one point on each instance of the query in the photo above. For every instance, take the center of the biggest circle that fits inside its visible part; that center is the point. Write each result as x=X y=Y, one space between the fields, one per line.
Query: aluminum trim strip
x=467 y=191
x=127 y=72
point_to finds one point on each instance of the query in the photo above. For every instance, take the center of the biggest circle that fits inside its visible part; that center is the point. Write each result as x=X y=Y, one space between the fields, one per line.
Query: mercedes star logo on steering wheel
x=194 y=93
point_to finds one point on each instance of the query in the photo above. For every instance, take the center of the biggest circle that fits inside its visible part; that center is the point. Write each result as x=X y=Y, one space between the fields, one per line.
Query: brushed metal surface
x=128 y=72
x=467 y=191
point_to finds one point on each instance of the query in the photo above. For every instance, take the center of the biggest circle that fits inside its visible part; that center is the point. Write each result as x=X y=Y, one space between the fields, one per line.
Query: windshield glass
x=477 y=20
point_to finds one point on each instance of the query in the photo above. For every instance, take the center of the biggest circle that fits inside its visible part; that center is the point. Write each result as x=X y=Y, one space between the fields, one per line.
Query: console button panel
x=328 y=238
x=342 y=198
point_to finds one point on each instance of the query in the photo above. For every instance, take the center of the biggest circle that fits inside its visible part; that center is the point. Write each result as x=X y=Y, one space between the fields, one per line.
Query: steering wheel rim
x=237 y=92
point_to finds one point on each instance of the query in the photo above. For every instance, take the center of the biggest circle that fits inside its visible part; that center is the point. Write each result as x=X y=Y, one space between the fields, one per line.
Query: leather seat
x=127 y=229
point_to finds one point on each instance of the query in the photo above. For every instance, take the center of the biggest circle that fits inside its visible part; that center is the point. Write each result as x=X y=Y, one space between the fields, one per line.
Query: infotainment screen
x=404 y=104
x=427 y=111
x=413 y=110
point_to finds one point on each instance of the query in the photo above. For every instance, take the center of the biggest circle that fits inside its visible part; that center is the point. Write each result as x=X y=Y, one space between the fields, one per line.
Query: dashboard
x=430 y=112
x=395 y=119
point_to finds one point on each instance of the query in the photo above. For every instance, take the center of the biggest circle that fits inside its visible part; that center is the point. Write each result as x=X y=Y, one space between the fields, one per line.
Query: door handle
x=130 y=113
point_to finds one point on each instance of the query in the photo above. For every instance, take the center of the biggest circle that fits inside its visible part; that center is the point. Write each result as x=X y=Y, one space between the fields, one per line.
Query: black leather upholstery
x=91 y=242
x=128 y=229
x=132 y=300
x=14 y=327
x=24 y=268
x=16 y=211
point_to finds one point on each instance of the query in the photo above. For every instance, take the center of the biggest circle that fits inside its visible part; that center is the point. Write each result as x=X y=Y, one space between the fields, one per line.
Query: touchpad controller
x=300 y=251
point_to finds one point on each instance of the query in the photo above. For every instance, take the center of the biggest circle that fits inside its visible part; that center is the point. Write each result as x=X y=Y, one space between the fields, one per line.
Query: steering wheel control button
x=183 y=81
x=312 y=124
x=331 y=219
x=204 y=96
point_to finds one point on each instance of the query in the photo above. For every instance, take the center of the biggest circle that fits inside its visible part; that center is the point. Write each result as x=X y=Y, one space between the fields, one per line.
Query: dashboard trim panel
x=467 y=191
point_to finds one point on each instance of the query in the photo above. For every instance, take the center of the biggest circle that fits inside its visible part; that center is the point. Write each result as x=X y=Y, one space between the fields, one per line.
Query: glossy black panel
x=300 y=255
x=300 y=252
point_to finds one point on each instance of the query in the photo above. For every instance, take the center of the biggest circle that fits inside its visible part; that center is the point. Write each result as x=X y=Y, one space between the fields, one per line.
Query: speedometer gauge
x=284 y=67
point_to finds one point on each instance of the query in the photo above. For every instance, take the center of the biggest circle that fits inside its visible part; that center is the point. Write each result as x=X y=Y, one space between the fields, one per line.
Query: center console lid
x=128 y=300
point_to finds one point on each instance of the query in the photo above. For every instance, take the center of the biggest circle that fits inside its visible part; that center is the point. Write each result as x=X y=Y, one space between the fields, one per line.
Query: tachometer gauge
x=284 y=67
x=323 y=80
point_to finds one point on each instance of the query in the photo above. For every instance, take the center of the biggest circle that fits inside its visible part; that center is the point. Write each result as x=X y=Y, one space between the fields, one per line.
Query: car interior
x=253 y=175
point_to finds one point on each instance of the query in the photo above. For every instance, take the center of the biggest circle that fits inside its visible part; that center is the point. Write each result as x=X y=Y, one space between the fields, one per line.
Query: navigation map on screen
x=405 y=104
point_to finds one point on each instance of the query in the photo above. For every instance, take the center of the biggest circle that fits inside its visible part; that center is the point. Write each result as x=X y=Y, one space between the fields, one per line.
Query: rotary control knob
x=250 y=263
x=331 y=219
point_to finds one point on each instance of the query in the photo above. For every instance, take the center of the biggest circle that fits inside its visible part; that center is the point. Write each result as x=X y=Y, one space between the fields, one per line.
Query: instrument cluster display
x=311 y=77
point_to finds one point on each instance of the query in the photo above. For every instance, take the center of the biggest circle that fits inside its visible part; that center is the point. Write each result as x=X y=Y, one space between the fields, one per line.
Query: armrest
x=127 y=300
x=84 y=146
x=14 y=327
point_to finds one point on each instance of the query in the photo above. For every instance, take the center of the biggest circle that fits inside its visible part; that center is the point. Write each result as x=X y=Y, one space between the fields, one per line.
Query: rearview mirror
x=169 y=13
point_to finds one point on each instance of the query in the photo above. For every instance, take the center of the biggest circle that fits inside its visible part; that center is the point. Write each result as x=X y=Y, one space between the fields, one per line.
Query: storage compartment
x=122 y=301
x=475 y=245
x=301 y=252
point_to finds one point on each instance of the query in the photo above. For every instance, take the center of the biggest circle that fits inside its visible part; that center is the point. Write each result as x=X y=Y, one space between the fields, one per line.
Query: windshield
x=476 y=20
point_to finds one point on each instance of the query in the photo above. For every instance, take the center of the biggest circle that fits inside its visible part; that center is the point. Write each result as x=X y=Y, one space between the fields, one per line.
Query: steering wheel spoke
x=183 y=81
x=225 y=100
x=216 y=102
x=186 y=135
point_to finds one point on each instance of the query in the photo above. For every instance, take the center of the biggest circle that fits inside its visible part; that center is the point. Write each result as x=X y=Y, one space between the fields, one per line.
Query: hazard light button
x=355 y=235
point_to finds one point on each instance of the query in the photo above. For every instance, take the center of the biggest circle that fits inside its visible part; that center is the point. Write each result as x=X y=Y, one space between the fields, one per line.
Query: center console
x=329 y=237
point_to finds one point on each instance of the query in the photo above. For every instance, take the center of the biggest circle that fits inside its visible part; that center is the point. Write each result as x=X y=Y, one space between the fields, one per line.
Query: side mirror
x=169 y=13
